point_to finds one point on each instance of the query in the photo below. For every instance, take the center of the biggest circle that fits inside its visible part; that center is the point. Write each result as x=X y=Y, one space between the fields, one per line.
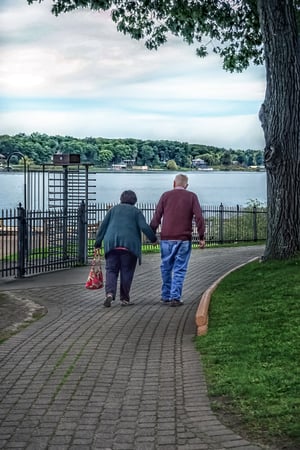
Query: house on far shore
x=199 y=163
x=120 y=166
x=128 y=164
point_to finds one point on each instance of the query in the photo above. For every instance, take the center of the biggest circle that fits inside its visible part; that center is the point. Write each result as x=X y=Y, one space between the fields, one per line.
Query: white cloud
x=81 y=77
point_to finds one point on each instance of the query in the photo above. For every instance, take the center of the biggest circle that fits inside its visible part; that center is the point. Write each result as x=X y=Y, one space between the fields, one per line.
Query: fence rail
x=32 y=242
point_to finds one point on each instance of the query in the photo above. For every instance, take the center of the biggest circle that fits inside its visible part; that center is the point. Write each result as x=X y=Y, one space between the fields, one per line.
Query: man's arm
x=202 y=243
x=200 y=222
x=156 y=219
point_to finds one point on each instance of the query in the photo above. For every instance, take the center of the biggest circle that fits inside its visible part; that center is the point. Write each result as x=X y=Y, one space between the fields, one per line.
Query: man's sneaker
x=108 y=300
x=126 y=303
x=165 y=302
x=175 y=303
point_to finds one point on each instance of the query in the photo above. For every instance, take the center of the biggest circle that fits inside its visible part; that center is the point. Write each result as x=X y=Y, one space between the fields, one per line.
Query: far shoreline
x=93 y=169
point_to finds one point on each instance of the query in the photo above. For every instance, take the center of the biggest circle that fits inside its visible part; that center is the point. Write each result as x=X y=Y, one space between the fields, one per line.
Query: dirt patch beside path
x=16 y=312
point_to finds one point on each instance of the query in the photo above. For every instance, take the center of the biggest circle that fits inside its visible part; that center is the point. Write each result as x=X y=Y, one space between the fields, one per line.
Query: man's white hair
x=181 y=180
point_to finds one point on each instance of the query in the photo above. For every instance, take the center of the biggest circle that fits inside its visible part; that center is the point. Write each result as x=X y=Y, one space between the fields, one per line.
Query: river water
x=212 y=187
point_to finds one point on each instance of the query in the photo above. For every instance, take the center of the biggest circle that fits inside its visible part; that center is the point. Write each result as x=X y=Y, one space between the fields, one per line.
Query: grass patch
x=252 y=350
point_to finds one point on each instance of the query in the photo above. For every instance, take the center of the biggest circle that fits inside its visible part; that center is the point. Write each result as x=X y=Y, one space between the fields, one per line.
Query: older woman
x=120 y=232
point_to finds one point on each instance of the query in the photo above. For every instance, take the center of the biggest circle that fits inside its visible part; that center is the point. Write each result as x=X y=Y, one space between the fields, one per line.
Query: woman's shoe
x=126 y=303
x=108 y=300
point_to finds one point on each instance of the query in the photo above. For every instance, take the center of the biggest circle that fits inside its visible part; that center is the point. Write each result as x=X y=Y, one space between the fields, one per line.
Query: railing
x=34 y=241
x=40 y=241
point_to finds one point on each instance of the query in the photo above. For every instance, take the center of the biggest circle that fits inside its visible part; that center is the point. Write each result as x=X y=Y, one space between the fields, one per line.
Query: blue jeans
x=120 y=262
x=175 y=257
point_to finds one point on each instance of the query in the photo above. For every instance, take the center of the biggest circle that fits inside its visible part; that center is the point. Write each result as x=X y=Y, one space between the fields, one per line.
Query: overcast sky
x=76 y=75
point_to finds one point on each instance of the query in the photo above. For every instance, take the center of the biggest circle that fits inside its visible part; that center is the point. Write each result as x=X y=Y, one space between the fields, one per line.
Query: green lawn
x=251 y=353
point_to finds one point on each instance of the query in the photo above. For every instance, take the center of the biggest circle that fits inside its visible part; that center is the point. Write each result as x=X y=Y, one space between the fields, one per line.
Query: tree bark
x=280 y=118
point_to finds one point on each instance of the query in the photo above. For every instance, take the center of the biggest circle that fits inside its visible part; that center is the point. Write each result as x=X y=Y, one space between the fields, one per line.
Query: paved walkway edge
x=202 y=310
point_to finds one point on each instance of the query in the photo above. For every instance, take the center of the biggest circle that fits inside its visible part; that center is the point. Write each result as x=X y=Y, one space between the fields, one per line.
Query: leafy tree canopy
x=230 y=28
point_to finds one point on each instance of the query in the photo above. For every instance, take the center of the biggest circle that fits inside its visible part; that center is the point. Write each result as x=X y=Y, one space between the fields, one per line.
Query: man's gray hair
x=181 y=180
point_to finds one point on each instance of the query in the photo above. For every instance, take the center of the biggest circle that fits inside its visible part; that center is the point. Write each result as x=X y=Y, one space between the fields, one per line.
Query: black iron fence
x=32 y=242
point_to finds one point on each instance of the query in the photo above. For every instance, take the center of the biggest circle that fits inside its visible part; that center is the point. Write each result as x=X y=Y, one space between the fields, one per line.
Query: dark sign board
x=66 y=159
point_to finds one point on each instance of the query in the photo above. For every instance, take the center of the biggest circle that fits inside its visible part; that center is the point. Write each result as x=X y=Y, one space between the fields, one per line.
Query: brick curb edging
x=201 y=317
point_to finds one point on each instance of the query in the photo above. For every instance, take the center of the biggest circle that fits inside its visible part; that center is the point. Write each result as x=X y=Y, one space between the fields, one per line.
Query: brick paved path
x=89 y=377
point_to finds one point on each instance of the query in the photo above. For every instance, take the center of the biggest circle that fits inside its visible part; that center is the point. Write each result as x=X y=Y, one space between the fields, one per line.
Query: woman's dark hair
x=128 y=197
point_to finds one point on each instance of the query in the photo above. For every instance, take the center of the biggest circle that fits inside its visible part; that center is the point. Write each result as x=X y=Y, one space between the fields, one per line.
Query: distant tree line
x=40 y=148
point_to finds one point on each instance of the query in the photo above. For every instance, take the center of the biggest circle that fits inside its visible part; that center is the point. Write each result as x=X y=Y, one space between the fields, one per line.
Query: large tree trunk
x=280 y=118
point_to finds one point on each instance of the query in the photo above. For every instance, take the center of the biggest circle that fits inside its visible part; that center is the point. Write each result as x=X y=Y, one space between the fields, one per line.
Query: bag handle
x=97 y=255
x=97 y=251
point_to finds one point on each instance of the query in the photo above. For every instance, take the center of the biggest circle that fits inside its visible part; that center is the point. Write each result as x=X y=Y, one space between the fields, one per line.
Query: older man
x=175 y=212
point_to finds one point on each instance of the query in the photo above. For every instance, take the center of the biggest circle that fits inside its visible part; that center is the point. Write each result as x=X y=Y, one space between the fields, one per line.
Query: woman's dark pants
x=123 y=262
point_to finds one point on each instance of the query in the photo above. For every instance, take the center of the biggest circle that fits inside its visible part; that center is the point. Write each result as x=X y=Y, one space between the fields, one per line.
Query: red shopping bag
x=95 y=278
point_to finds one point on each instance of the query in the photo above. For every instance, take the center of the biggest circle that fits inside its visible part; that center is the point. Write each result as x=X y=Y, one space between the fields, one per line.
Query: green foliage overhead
x=229 y=28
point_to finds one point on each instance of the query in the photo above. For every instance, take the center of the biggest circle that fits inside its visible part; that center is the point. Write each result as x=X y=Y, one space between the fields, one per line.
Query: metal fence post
x=65 y=212
x=22 y=241
x=237 y=222
x=82 y=234
x=221 y=224
x=254 y=223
